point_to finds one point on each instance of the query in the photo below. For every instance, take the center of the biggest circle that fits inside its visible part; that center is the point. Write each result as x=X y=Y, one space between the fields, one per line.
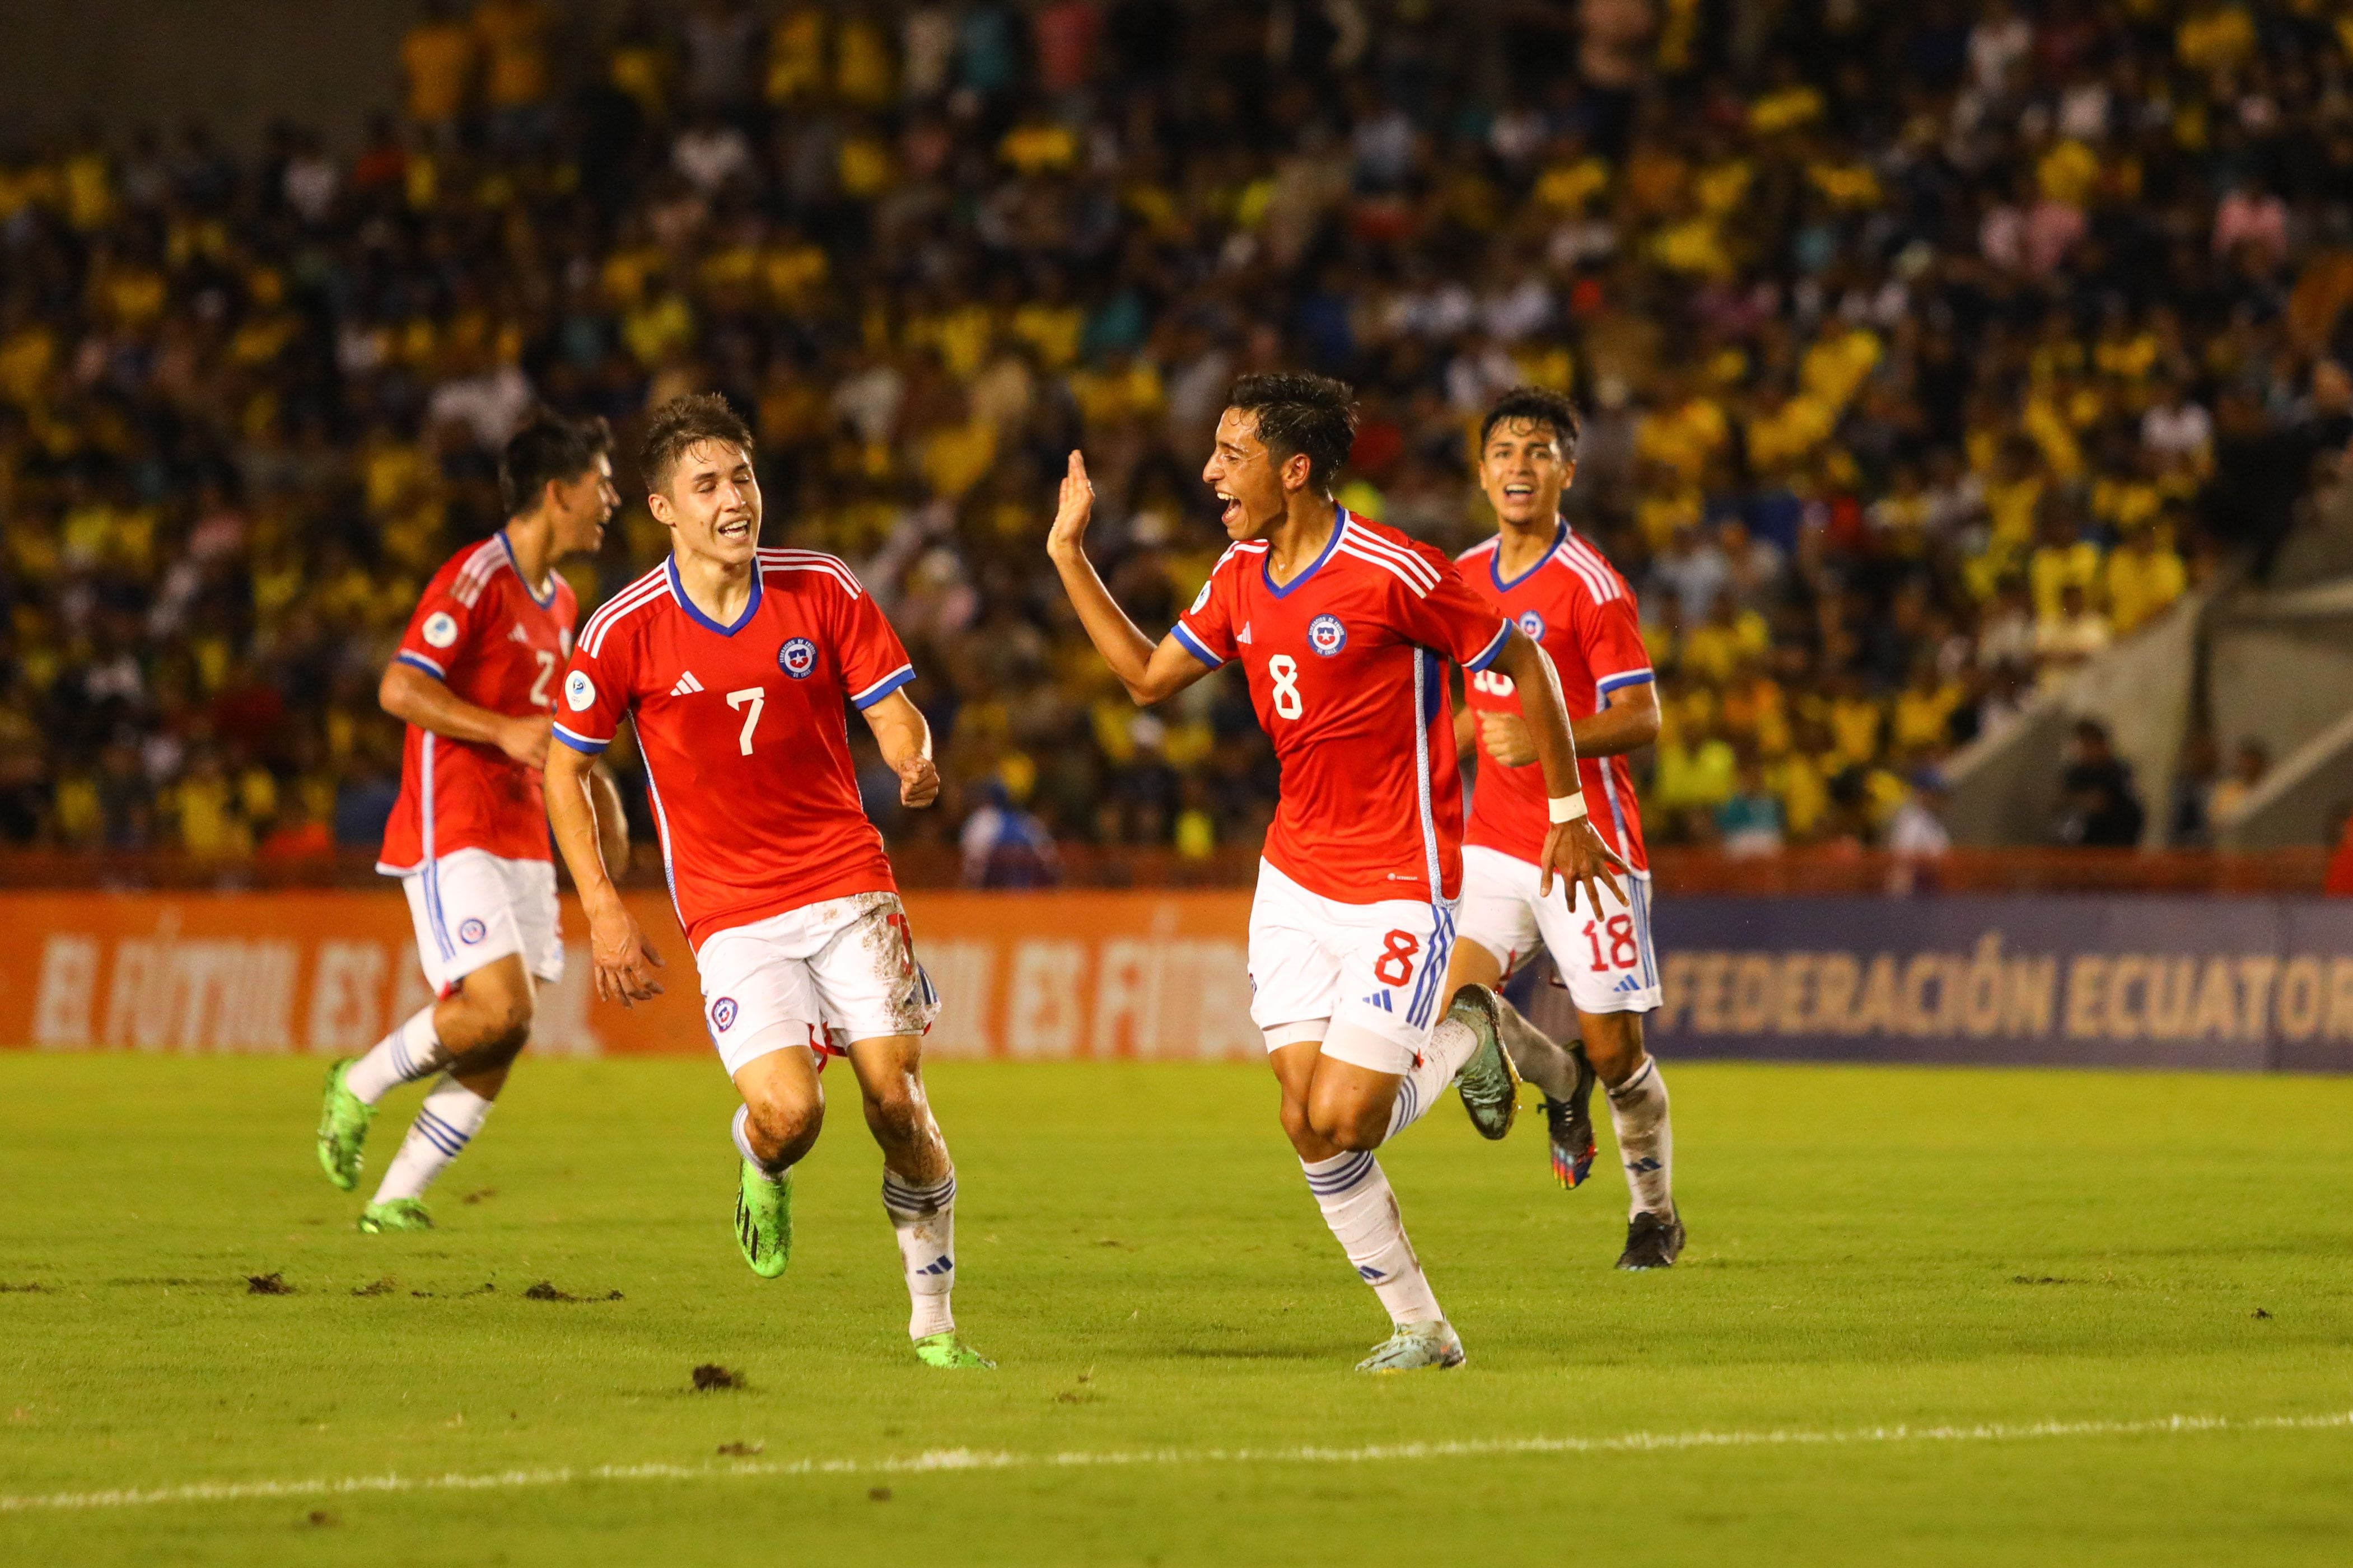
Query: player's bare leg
x=1335 y=1114
x=471 y=1037
x=781 y=1114
x=918 y=1192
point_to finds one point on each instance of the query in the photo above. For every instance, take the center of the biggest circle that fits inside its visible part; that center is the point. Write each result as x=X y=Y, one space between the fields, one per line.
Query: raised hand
x=1074 y=509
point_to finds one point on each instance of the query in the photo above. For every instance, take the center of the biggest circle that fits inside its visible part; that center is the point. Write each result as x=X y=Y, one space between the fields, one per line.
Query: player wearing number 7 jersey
x=1343 y=630
x=735 y=663
x=1562 y=594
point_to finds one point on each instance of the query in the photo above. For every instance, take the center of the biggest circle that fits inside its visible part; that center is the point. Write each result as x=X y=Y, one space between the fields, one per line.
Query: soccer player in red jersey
x=1560 y=592
x=735 y=662
x=1342 y=628
x=475 y=679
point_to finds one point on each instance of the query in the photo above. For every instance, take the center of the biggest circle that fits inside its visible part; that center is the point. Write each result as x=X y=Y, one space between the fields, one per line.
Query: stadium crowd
x=1926 y=351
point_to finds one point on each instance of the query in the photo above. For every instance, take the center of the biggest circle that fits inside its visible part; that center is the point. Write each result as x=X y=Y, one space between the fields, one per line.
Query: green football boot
x=400 y=1213
x=949 y=1350
x=1417 y=1347
x=344 y=1120
x=764 y=1220
x=1489 y=1083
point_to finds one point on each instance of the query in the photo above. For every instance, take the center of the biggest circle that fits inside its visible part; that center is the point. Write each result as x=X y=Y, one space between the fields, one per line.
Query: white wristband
x=1567 y=808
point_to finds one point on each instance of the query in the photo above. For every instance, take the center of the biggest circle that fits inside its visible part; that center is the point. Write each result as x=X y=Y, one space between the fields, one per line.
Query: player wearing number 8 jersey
x=1343 y=630
x=736 y=663
x=474 y=679
x=1561 y=591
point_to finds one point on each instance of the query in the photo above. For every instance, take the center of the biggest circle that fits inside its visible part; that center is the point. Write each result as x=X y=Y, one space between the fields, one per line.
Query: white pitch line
x=943 y=1461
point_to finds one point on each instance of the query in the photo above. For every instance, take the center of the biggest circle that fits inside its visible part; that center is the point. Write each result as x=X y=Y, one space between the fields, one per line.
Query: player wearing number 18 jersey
x=1560 y=592
x=1343 y=630
x=475 y=679
x=735 y=663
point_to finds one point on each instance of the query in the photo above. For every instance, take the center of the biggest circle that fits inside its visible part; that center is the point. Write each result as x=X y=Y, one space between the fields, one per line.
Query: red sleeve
x=1610 y=637
x=1448 y=618
x=441 y=631
x=873 y=660
x=597 y=693
x=1206 y=629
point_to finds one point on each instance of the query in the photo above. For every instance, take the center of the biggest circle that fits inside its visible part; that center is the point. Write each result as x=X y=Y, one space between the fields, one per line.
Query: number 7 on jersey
x=756 y=699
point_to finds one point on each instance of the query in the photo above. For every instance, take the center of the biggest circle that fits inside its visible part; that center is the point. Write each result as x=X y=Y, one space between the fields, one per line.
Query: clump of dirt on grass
x=320 y=1519
x=2039 y=1279
x=383 y=1287
x=545 y=1290
x=270 y=1284
x=711 y=1376
x=741 y=1450
x=479 y=1195
x=878 y=1494
x=29 y=1288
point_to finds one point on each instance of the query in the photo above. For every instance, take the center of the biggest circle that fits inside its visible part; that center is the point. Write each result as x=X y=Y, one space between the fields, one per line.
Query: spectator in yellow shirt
x=2064 y=559
x=436 y=55
x=2142 y=576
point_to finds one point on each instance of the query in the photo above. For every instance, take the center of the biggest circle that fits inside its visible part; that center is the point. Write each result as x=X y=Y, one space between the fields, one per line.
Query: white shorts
x=820 y=975
x=1606 y=961
x=471 y=907
x=1364 y=979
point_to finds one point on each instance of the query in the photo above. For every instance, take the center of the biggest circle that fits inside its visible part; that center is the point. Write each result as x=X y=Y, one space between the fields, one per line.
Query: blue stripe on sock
x=439 y=1133
x=1330 y=1184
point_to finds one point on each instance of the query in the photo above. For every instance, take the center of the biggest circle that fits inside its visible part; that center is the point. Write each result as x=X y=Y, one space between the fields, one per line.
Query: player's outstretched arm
x=1150 y=674
x=413 y=697
x=625 y=961
x=1572 y=847
x=905 y=737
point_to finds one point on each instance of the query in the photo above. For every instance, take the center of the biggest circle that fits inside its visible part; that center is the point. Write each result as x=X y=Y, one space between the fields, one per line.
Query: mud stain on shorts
x=889 y=941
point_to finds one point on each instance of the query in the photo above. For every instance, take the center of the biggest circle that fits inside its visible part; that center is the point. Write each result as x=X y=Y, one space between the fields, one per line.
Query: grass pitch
x=1927 y=1316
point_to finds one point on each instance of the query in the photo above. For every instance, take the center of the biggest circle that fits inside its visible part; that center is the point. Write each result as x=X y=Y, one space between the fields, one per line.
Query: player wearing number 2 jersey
x=1560 y=592
x=1343 y=630
x=736 y=663
x=475 y=677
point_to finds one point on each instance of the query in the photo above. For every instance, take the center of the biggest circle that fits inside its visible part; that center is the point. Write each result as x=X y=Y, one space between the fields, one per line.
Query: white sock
x=445 y=1124
x=1450 y=1045
x=1363 y=1214
x=924 y=1219
x=410 y=1052
x=1638 y=1109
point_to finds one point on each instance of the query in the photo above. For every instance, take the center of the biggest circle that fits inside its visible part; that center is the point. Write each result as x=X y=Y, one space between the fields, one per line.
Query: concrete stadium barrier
x=2241 y=984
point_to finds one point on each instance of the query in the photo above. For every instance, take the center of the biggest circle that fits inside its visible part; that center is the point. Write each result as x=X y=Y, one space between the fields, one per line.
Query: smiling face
x=1253 y=486
x=582 y=506
x=711 y=505
x=1523 y=472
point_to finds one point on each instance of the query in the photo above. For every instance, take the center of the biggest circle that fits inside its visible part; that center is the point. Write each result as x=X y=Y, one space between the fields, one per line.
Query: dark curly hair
x=1299 y=414
x=549 y=448
x=1538 y=405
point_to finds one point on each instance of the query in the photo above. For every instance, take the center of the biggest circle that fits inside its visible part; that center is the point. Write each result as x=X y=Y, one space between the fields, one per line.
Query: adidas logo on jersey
x=686 y=685
x=516 y=634
x=1380 y=999
x=1243 y=636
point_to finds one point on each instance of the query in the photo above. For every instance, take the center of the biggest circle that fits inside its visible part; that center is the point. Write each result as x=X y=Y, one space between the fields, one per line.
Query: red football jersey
x=1344 y=664
x=742 y=729
x=1573 y=605
x=496 y=643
